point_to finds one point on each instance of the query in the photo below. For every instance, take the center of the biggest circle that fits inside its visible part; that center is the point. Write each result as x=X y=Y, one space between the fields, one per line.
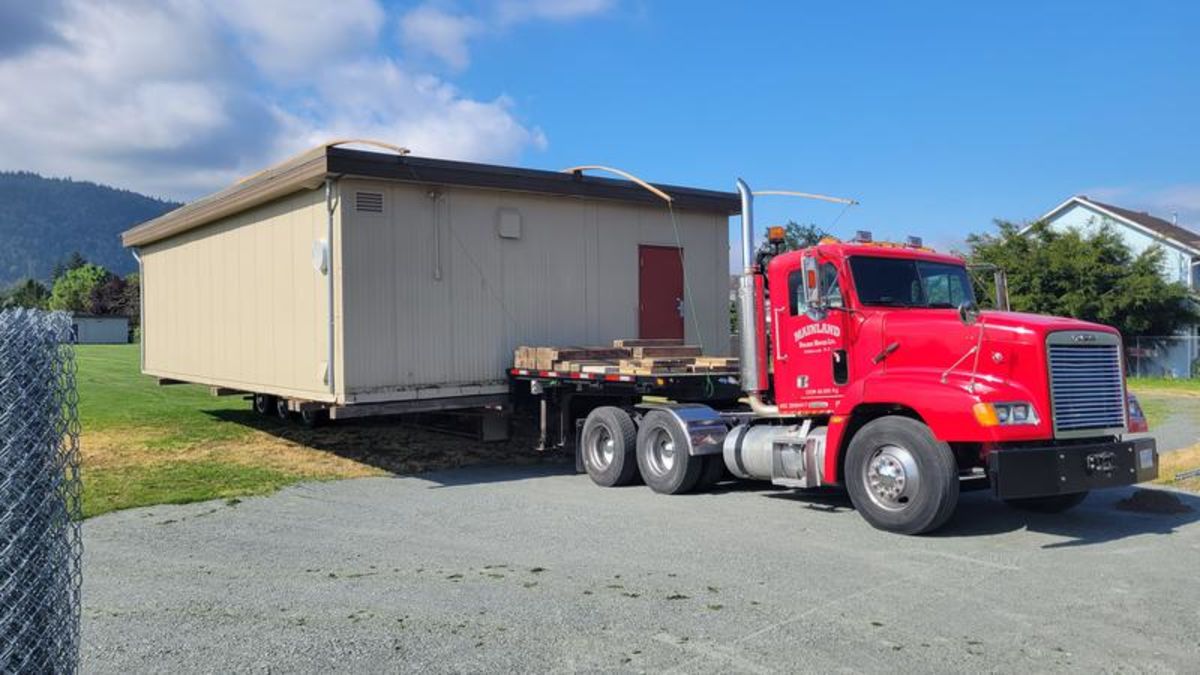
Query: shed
x=349 y=277
x=99 y=329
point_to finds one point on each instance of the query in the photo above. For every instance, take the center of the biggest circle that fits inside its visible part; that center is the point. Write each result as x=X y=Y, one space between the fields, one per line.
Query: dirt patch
x=1153 y=501
x=134 y=447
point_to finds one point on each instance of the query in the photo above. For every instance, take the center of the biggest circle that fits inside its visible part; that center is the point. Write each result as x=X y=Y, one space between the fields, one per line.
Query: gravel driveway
x=533 y=568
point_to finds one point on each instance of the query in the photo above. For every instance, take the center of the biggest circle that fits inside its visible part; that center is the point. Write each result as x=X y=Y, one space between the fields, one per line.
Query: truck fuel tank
x=788 y=455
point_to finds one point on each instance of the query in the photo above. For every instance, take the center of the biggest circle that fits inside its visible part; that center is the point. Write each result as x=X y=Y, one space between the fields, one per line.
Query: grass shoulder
x=1172 y=464
x=1182 y=387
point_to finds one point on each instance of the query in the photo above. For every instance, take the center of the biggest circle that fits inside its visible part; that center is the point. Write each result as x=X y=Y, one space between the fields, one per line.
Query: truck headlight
x=1011 y=413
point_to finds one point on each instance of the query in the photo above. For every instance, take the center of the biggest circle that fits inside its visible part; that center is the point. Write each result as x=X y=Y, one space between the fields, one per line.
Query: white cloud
x=380 y=99
x=430 y=30
x=291 y=37
x=178 y=97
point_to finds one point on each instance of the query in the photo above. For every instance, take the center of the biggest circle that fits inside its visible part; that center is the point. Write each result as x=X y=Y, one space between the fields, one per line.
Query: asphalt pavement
x=535 y=569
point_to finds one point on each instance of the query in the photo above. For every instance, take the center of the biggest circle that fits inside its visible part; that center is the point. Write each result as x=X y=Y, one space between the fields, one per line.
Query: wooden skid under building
x=625 y=357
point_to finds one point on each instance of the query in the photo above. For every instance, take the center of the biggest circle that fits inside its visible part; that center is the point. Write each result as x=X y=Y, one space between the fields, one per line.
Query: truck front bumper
x=1041 y=472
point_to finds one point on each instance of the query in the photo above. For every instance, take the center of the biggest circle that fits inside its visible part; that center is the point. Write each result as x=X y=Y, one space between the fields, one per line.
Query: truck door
x=811 y=365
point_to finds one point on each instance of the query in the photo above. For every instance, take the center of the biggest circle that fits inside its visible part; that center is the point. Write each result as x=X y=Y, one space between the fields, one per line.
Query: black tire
x=662 y=455
x=1051 y=504
x=900 y=478
x=314 y=417
x=264 y=404
x=609 y=440
x=714 y=472
x=281 y=409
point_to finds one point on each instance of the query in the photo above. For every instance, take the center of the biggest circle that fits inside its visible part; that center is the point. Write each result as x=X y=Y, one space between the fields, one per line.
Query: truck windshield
x=900 y=282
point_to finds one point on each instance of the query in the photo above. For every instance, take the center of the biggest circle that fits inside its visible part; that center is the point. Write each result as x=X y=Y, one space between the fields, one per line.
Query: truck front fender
x=946 y=408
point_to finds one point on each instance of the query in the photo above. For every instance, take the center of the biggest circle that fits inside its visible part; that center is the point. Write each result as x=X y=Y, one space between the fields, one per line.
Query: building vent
x=368 y=202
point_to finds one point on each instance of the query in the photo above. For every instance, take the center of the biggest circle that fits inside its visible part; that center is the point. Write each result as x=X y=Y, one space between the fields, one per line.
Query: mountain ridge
x=45 y=219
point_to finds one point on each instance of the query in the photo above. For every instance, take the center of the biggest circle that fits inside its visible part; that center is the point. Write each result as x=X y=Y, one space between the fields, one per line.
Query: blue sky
x=937 y=116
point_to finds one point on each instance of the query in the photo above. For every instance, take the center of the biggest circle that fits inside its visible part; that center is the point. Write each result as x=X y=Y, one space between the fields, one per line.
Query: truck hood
x=1036 y=325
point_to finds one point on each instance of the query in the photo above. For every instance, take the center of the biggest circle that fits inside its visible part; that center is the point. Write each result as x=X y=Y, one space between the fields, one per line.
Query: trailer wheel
x=264 y=404
x=281 y=409
x=714 y=472
x=900 y=477
x=609 y=438
x=1051 y=504
x=662 y=455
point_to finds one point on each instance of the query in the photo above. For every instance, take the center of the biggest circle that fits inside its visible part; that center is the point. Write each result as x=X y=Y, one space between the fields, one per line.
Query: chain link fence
x=40 y=544
x=1168 y=356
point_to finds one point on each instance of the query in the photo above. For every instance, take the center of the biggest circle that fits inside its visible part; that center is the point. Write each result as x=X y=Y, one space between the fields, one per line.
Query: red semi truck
x=870 y=367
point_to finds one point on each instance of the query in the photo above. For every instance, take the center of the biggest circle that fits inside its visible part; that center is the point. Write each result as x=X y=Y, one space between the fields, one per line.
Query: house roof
x=1158 y=227
x=310 y=169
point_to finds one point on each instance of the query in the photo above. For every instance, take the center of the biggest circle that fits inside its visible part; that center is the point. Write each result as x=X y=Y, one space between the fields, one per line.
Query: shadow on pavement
x=397 y=446
x=1097 y=520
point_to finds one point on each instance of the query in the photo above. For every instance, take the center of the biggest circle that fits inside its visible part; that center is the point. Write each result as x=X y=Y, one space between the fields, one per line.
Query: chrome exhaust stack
x=754 y=380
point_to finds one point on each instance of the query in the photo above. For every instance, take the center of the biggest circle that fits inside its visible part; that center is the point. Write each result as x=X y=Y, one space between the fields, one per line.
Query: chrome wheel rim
x=891 y=477
x=600 y=447
x=661 y=453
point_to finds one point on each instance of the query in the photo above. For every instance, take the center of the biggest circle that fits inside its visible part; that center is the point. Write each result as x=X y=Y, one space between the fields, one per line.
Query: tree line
x=81 y=287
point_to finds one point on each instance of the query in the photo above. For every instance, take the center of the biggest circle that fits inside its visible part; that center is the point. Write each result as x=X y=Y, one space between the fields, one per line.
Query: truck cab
x=869 y=366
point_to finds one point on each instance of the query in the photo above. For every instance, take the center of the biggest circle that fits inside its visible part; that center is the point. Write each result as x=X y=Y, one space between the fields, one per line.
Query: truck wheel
x=1051 y=504
x=714 y=471
x=900 y=477
x=609 y=438
x=264 y=404
x=281 y=409
x=662 y=455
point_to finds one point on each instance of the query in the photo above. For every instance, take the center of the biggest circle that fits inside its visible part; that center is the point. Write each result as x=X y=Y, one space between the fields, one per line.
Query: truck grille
x=1086 y=384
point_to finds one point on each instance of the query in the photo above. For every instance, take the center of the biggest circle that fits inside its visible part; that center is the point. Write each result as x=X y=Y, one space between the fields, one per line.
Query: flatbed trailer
x=564 y=399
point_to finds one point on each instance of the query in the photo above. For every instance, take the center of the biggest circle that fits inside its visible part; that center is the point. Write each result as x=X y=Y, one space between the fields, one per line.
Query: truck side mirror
x=968 y=313
x=814 y=294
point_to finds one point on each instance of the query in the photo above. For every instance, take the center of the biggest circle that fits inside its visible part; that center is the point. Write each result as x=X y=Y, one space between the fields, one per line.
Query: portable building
x=434 y=270
x=99 y=329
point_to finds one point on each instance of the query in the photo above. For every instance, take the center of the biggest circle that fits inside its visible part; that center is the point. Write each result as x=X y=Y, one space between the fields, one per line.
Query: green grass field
x=1163 y=384
x=146 y=444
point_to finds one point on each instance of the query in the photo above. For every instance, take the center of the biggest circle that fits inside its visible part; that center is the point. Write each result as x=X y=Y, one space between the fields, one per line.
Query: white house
x=1181 y=263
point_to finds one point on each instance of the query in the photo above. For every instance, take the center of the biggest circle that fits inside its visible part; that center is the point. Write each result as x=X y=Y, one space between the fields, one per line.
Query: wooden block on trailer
x=598 y=369
x=653 y=366
x=718 y=362
x=655 y=352
x=577 y=366
x=648 y=342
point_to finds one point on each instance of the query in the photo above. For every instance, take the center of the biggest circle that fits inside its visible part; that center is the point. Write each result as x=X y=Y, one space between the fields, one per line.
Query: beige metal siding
x=571 y=278
x=238 y=304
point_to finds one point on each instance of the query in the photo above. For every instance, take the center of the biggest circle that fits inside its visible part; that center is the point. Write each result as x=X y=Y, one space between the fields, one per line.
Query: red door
x=660 y=292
